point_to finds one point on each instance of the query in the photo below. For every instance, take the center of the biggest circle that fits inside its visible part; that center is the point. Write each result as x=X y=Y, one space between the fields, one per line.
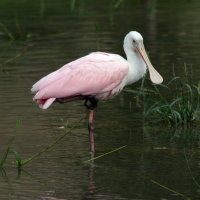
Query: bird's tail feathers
x=44 y=104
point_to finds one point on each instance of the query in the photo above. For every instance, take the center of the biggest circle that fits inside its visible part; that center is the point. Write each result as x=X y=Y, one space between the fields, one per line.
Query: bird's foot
x=60 y=100
x=91 y=102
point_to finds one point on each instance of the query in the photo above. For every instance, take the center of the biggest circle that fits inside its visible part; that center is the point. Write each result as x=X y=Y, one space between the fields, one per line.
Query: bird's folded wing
x=89 y=76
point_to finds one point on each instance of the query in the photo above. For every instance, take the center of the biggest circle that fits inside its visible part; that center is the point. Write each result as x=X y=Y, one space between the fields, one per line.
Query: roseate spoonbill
x=95 y=77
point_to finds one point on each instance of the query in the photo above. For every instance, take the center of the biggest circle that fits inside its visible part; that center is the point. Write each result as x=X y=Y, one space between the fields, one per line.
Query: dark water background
x=37 y=37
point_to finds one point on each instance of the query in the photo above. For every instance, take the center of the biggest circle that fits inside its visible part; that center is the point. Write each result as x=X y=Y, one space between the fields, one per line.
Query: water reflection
x=157 y=155
x=90 y=193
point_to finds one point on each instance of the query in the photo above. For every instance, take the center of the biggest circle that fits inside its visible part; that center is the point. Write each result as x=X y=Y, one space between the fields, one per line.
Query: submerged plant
x=177 y=102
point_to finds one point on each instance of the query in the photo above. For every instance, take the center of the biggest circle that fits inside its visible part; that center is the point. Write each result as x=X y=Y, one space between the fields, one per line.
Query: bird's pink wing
x=91 y=75
x=50 y=78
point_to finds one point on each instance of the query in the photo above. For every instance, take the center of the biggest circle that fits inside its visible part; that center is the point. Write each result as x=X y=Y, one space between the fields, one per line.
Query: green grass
x=10 y=142
x=176 y=102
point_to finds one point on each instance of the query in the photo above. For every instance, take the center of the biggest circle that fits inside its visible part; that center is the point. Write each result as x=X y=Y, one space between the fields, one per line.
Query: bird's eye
x=134 y=41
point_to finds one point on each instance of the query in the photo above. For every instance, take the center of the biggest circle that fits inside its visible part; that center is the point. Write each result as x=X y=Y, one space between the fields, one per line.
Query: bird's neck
x=137 y=68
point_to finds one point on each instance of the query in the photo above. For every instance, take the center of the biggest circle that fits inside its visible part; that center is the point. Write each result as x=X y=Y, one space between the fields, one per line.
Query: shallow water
x=155 y=156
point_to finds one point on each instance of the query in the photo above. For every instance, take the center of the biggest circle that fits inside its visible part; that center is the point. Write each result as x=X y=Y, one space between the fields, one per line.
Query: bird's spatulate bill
x=154 y=75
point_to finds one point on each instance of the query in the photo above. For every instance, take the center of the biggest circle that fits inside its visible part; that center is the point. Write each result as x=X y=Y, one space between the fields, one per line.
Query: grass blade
x=106 y=153
x=173 y=191
x=50 y=146
x=5 y=155
x=18 y=159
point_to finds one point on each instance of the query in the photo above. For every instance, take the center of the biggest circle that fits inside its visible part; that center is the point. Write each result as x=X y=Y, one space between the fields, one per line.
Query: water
x=59 y=32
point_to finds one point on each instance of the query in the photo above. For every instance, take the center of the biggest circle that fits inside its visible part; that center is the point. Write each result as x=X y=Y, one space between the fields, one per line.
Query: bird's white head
x=133 y=41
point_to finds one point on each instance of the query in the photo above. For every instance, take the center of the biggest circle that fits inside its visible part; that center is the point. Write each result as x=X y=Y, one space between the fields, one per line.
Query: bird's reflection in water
x=90 y=193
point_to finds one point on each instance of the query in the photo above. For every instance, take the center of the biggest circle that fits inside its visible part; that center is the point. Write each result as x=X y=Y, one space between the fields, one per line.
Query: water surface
x=50 y=34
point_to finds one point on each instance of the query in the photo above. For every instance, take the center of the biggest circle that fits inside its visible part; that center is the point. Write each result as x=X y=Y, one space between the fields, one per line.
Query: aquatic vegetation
x=7 y=33
x=18 y=158
x=177 y=102
x=19 y=54
x=171 y=190
x=105 y=154
x=20 y=162
x=10 y=142
x=16 y=34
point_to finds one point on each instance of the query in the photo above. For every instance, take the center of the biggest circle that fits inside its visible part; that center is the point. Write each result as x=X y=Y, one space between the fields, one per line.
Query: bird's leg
x=91 y=106
x=91 y=130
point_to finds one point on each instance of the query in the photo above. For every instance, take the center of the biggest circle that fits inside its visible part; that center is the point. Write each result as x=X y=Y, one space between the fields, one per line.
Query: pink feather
x=96 y=74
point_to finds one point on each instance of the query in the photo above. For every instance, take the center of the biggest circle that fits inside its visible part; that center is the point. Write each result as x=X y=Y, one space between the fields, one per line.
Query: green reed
x=7 y=32
x=16 y=32
x=176 y=102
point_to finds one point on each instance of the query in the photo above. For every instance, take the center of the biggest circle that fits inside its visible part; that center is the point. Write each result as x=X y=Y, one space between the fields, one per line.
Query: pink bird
x=97 y=76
